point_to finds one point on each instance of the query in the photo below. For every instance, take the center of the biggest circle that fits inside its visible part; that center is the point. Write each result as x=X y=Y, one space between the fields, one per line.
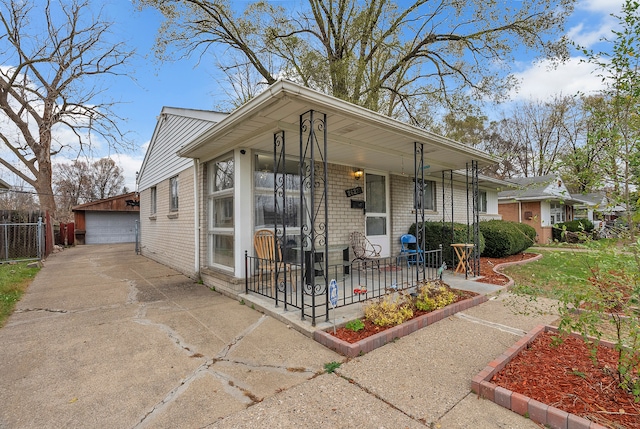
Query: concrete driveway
x=104 y=338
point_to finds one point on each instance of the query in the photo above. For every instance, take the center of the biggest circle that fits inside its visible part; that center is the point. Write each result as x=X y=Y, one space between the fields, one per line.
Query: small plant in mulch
x=355 y=325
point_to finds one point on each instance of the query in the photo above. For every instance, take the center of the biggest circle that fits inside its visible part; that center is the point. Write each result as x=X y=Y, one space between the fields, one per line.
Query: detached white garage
x=112 y=220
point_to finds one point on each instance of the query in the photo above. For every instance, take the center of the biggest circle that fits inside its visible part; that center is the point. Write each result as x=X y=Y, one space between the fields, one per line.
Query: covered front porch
x=317 y=170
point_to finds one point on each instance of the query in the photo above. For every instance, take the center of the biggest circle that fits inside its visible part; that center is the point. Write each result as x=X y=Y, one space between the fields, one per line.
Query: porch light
x=358 y=173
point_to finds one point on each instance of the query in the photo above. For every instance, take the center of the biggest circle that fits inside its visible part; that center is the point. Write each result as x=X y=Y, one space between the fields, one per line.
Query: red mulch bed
x=565 y=377
x=371 y=329
x=490 y=276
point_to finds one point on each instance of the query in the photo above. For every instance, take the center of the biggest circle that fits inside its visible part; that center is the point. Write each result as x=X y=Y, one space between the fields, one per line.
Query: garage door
x=110 y=227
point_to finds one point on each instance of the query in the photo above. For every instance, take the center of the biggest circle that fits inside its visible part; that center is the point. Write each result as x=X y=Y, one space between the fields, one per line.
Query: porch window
x=221 y=219
x=173 y=194
x=267 y=213
x=426 y=198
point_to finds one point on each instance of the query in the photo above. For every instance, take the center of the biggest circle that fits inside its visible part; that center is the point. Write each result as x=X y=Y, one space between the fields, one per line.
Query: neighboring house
x=207 y=181
x=597 y=208
x=541 y=202
x=112 y=220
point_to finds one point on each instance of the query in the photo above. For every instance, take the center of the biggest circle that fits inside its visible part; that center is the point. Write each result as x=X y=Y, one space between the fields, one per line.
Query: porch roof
x=355 y=136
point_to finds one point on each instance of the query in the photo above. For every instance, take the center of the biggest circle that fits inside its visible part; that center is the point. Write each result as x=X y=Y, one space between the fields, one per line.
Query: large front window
x=270 y=211
x=220 y=212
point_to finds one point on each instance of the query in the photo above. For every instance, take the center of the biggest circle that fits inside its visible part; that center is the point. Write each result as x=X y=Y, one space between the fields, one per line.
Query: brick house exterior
x=206 y=183
x=540 y=202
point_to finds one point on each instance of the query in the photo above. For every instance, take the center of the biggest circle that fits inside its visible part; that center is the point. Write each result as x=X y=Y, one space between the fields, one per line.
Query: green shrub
x=505 y=238
x=437 y=233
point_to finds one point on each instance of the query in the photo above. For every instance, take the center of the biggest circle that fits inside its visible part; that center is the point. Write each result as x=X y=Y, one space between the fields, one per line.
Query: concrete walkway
x=104 y=338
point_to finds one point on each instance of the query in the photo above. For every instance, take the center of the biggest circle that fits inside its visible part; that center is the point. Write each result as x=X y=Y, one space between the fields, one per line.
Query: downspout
x=196 y=217
x=519 y=211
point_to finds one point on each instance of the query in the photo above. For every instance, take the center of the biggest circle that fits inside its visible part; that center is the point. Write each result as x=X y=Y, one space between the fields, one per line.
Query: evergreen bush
x=505 y=238
x=437 y=233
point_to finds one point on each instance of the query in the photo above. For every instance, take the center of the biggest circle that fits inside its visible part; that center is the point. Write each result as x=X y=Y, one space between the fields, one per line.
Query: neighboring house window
x=425 y=197
x=269 y=211
x=221 y=219
x=173 y=194
x=482 y=201
x=154 y=202
x=557 y=212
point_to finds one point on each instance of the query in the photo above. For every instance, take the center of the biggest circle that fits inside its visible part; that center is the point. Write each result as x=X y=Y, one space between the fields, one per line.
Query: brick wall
x=168 y=237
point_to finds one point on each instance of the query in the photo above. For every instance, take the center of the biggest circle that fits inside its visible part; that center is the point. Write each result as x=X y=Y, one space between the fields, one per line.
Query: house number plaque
x=353 y=191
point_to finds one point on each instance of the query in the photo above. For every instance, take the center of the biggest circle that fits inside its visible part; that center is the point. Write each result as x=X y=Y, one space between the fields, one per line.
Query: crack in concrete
x=235 y=341
x=48 y=310
x=175 y=393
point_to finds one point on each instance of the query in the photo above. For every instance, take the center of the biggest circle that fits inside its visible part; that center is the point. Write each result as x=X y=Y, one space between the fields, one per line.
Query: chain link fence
x=22 y=241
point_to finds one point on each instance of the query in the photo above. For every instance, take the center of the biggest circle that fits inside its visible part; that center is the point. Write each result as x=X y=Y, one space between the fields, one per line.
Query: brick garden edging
x=523 y=405
x=381 y=338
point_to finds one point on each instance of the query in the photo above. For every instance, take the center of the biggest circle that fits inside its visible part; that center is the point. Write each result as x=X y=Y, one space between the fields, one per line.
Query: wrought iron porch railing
x=357 y=281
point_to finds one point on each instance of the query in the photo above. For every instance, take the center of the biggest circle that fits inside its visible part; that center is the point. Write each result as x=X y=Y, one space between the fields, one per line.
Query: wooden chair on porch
x=269 y=257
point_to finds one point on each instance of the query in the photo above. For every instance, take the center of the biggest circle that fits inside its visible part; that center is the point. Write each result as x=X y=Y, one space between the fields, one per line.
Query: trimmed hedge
x=505 y=238
x=437 y=233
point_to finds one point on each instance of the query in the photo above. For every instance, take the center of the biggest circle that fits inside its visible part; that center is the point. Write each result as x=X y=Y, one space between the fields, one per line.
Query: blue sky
x=187 y=84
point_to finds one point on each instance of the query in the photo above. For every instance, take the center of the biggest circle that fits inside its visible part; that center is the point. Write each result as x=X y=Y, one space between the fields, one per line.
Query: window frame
x=174 y=202
x=153 y=201
x=482 y=201
x=220 y=231
x=417 y=199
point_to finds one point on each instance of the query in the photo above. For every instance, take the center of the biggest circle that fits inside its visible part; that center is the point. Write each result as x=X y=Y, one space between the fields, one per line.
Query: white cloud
x=601 y=6
x=540 y=81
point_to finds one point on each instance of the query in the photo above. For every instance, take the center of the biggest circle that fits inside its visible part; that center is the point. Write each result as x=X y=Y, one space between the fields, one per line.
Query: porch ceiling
x=355 y=136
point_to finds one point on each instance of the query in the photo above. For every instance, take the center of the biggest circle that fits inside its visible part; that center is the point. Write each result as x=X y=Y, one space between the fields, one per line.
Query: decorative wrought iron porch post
x=314 y=207
x=418 y=162
x=280 y=195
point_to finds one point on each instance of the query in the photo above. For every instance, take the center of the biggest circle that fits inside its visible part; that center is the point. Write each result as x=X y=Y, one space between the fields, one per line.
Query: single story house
x=597 y=208
x=540 y=201
x=306 y=165
x=111 y=220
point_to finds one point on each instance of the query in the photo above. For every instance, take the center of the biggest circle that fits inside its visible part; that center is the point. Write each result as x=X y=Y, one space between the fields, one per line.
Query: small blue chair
x=410 y=249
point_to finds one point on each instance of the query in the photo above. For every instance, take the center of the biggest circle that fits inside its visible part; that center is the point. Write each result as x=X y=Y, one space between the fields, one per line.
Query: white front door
x=377 y=217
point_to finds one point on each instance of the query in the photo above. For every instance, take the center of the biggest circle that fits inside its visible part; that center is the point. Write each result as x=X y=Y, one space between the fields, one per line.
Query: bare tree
x=81 y=182
x=72 y=184
x=534 y=136
x=106 y=179
x=374 y=53
x=53 y=57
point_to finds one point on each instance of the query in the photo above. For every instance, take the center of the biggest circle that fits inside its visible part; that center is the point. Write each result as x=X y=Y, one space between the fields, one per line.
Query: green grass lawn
x=14 y=280
x=565 y=268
